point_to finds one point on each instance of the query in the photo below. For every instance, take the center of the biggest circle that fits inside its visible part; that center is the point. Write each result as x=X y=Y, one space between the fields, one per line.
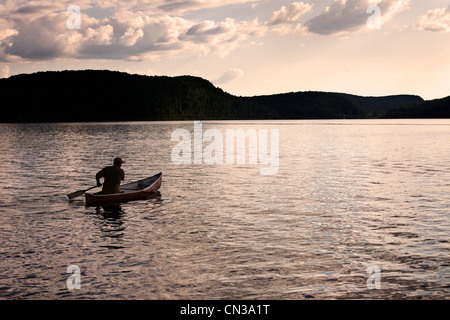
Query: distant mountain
x=438 y=108
x=307 y=105
x=377 y=106
x=100 y=95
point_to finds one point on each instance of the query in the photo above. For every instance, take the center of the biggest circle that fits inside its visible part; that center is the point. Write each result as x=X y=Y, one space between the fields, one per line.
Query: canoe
x=136 y=190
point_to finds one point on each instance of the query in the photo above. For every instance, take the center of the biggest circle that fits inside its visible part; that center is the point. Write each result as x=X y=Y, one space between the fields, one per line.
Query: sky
x=245 y=47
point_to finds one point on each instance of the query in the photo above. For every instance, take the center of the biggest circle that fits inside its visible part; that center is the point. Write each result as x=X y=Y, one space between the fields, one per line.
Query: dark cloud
x=340 y=16
x=32 y=9
x=36 y=39
x=351 y=15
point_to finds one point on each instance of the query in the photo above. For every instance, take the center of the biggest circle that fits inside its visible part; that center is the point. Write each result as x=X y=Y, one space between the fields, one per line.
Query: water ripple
x=348 y=196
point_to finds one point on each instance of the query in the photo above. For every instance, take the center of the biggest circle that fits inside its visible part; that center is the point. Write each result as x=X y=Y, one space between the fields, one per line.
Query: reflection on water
x=349 y=195
x=112 y=226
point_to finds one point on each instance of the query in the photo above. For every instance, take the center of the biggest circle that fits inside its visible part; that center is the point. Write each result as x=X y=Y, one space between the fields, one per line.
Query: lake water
x=358 y=209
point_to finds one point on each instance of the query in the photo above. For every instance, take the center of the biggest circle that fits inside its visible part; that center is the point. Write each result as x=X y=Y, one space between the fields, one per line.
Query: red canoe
x=131 y=191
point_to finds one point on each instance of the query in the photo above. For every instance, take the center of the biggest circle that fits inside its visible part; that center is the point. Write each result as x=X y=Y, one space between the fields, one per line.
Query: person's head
x=118 y=162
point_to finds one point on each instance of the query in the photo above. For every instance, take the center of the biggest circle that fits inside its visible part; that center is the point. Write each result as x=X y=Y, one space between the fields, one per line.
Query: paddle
x=79 y=193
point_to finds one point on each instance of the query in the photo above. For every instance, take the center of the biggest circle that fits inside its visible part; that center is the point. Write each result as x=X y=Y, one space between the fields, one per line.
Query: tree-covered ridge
x=99 y=95
x=438 y=108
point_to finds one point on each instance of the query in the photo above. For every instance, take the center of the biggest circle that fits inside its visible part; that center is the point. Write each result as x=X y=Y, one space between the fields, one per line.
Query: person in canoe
x=112 y=175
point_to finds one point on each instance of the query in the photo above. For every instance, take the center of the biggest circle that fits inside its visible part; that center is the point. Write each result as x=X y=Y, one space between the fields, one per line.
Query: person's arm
x=98 y=176
x=123 y=174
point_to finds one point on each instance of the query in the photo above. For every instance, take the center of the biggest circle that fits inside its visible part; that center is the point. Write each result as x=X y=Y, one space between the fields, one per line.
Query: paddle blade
x=75 y=194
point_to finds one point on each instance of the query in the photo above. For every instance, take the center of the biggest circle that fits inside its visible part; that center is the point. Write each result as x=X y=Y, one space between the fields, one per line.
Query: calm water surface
x=348 y=195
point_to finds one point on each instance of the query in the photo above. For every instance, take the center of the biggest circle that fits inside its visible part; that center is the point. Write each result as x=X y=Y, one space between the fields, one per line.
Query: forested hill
x=89 y=95
x=377 y=106
x=438 y=108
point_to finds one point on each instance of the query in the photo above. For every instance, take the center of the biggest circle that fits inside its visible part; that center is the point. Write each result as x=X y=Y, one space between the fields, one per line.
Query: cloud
x=183 y=6
x=437 y=20
x=351 y=15
x=149 y=30
x=4 y=71
x=38 y=38
x=229 y=75
x=33 y=8
x=38 y=31
x=286 y=20
x=160 y=7
x=220 y=38
x=135 y=36
x=7 y=30
x=6 y=33
x=290 y=14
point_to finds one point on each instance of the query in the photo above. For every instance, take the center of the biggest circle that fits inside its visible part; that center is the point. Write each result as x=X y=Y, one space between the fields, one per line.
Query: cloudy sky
x=246 y=47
